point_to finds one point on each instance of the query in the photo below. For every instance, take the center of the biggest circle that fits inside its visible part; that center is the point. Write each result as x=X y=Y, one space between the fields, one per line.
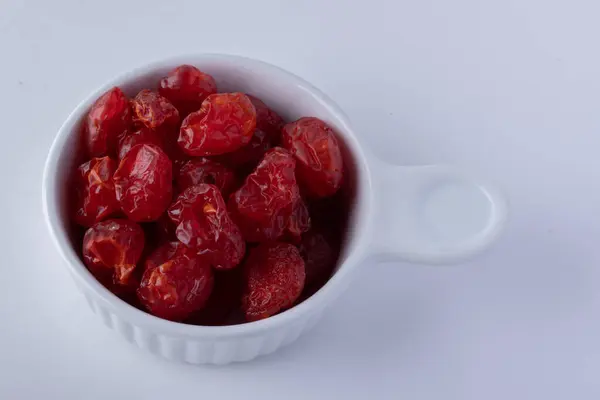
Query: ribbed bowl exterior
x=193 y=350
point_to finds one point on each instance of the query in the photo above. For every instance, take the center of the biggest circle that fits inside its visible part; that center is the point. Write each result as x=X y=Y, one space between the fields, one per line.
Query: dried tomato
x=107 y=119
x=193 y=244
x=203 y=170
x=143 y=183
x=224 y=123
x=263 y=205
x=95 y=197
x=140 y=136
x=111 y=250
x=187 y=87
x=161 y=254
x=153 y=110
x=315 y=147
x=176 y=282
x=202 y=223
x=275 y=278
x=266 y=119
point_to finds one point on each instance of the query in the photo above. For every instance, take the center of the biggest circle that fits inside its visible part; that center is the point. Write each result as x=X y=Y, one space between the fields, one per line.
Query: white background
x=509 y=88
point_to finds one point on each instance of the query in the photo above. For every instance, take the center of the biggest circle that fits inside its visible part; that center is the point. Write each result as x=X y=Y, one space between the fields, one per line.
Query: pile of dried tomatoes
x=206 y=207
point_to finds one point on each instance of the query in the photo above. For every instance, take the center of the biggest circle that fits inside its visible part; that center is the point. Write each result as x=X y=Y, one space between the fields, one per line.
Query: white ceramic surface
x=429 y=214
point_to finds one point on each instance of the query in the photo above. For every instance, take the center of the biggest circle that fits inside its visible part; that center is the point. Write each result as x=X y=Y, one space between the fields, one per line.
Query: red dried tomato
x=200 y=230
x=263 y=205
x=274 y=280
x=266 y=119
x=140 y=136
x=203 y=170
x=143 y=183
x=95 y=197
x=153 y=110
x=224 y=123
x=315 y=147
x=176 y=282
x=111 y=250
x=187 y=87
x=107 y=119
x=202 y=223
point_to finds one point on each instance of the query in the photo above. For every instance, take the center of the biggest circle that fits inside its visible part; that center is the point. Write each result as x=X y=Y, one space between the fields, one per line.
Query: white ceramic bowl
x=428 y=214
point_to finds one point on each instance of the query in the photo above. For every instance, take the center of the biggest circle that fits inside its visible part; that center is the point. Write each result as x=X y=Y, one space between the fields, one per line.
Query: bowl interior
x=285 y=93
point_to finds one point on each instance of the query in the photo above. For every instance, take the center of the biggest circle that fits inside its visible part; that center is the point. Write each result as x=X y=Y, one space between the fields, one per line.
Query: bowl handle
x=433 y=214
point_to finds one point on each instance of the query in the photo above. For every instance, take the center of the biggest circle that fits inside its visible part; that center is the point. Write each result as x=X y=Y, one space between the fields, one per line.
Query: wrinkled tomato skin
x=224 y=123
x=95 y=198
x=187 y=87
x=251 y=154
x=107 y=119
x=267 y=120
x=176 y=282
x=204 y=170
x=161 y=254
x=262 y=206
x=111 y=251
x=318 y=155
x=143 y=183
x=298 y=222
x=153 y=110
x=202 y=223
x=140 y=136
x=274 y=279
